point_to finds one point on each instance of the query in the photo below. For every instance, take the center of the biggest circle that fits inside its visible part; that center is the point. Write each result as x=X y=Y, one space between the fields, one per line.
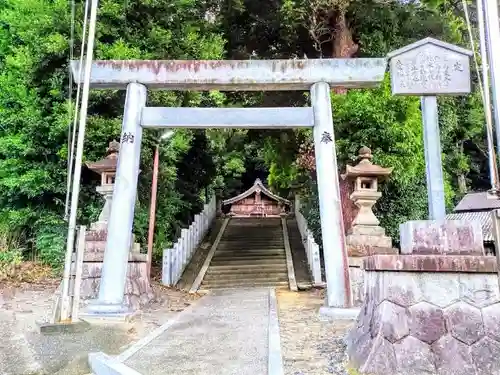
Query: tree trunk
x=343 y=44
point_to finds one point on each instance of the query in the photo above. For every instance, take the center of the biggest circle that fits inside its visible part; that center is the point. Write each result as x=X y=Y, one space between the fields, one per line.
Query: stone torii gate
x=319 y=76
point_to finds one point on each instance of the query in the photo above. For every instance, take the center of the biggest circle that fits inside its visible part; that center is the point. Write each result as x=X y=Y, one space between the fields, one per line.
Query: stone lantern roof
x=109 y=163
x=365 y=168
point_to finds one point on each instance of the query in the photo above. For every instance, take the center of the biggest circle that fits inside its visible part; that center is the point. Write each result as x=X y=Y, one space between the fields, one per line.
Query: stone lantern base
x=362 y=241
x=138 y=291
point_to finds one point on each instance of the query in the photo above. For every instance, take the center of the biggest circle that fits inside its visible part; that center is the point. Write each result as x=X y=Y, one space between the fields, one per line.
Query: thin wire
x=472 y=44
x=489 y=127
x=75 y=117
x=70 y=97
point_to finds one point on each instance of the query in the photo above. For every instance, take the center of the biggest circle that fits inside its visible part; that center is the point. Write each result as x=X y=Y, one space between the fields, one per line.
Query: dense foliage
x=35 y=110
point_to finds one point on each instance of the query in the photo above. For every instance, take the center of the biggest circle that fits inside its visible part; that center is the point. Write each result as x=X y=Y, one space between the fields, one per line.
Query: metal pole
x=338 y=292
x=486 y=97
x=78 y=160
x=152 y=209
x=493 y=40
x=432 y=149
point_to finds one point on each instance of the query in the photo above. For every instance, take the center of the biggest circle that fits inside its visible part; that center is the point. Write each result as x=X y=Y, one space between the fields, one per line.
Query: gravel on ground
x=23 y=350
x=309 y=345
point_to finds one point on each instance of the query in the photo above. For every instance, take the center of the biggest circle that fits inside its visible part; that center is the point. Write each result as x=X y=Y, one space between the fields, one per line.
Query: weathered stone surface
x=414 y=357
x=382 y=359
x=464 y=322
x=390 y=321
x=430 y=67
x=453 y=357
x=439 y=289
x=96 y=235
x=401 y=288
x=360 y=245
x=95 y=246
x=441 y=237
x=426 y=322
x=486 y=356
x=479 y=290
x=357 y=285
x=360 y=348
x=491 y=319
x=453 y=321
x=431 y=263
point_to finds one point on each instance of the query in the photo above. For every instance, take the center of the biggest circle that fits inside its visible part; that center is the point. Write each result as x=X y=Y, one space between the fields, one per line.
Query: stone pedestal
x=138 y=291
x=365 y=236
x=429 y=313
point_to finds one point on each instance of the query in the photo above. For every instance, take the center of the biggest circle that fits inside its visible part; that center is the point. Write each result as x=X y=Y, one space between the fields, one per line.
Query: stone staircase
x=251 y=253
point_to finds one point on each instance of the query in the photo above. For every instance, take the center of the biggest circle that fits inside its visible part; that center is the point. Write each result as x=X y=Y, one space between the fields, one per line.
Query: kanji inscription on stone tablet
x=430 y=69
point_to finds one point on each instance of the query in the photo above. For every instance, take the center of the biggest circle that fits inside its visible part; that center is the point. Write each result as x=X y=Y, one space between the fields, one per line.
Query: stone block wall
x=427 y=314
x=138 y=291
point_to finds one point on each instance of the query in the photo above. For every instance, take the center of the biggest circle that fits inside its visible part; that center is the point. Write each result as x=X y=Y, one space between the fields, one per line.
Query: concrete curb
x=199 y=279
x=102 y=364
x=292 y=281
x=275 y=360
x=134 y=348
x=332 y=313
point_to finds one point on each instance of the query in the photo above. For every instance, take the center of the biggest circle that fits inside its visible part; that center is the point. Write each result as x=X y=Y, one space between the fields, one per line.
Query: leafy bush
x=50 y=242
x=10 y=260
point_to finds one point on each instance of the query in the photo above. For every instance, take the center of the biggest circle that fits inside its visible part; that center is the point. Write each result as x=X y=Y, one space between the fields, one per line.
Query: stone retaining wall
x=435 y=310
x=438 y=322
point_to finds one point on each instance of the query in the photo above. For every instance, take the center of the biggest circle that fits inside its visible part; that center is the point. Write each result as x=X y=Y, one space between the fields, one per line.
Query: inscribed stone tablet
x=430 y=69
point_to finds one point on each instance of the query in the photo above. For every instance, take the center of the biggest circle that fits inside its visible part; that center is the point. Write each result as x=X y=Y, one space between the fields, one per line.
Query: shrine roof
x=257 y=186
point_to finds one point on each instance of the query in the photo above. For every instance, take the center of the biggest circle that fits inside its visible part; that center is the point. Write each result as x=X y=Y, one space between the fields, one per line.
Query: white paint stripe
x=292 y=281
x=151 y=336
x=275 y=360
x=206 y=264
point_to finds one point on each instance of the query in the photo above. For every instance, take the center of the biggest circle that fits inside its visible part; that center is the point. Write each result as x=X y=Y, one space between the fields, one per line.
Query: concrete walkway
x=228 y=332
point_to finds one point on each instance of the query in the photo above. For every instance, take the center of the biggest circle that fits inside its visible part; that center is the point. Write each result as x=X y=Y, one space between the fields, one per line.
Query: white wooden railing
x=178 y=257
x=310 y=245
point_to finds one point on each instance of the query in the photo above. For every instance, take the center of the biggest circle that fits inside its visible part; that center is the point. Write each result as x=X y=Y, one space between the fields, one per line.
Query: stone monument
x=137 y=290
x=365 y=236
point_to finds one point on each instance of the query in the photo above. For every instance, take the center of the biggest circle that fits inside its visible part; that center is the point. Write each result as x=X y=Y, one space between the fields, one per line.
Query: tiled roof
x=484 y=217
x=477 y=202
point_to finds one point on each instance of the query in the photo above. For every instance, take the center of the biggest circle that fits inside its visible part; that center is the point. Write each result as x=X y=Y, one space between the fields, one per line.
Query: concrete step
x=255 y=263
x=244 y=284
x=223 y=260
x=222 y=271
x=255 y=239
x=236 y=247
x=230 y=277
x=254 y=252
x=243 y=255
x=277 y=267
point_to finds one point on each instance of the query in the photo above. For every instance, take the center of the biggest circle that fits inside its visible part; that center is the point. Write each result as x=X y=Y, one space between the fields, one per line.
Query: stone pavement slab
x=225 y=333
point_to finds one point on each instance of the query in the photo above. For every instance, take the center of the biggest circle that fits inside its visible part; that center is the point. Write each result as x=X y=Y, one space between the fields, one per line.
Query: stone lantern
x=107 y=169
x=365 y=236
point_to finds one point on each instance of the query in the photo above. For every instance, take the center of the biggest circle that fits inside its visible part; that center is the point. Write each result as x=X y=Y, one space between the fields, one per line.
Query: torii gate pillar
x=318 y=76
